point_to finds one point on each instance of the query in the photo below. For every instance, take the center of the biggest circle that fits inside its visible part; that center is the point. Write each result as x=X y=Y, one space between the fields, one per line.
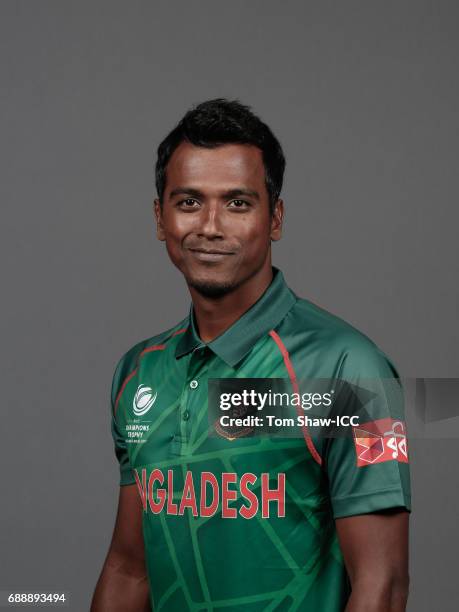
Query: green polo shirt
x=246 y=522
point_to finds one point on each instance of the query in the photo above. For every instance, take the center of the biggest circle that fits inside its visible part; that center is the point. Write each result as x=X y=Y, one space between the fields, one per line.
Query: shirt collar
x=235 y=342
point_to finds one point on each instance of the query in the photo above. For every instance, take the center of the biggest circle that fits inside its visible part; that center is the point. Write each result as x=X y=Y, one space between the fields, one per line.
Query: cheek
x=256 y=235
x=176 y=229
x=173 y=236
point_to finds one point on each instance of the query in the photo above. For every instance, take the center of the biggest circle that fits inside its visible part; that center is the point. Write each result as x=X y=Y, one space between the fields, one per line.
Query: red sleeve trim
x=294 y=381
x=179 y=331
x=157 y=347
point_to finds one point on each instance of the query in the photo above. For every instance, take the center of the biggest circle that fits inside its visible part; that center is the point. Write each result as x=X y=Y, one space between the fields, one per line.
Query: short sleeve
x=121 y=451
x=367 y=467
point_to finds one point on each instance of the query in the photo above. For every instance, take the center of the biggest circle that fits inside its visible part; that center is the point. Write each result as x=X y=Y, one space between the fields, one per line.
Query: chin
x=211 y=287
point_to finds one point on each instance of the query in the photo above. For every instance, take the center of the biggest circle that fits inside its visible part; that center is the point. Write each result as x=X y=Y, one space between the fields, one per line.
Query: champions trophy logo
x=381 y=440
x=144 y=399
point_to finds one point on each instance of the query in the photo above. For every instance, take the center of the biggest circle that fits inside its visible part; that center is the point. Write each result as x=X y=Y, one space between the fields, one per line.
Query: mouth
x=210 y=254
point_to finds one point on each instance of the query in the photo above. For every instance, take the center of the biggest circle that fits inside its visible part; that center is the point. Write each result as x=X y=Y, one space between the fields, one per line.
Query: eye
x=188 y=203
x=239 y=204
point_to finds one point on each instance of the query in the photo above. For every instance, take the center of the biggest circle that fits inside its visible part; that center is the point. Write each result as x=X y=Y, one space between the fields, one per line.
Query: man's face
x=215 y=218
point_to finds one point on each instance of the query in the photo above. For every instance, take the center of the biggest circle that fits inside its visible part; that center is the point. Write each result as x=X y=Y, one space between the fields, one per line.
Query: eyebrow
x=231 y=193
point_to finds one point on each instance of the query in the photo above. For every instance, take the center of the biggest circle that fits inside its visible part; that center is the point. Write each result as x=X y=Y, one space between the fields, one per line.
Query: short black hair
x=217 y=122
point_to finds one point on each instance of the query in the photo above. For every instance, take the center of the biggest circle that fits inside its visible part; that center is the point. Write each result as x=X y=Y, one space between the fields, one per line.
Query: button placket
x=196 y=369
x=185 y=411
x=189 y=403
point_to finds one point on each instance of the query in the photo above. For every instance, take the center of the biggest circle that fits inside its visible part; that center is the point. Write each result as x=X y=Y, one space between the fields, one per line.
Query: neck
x=215 y=315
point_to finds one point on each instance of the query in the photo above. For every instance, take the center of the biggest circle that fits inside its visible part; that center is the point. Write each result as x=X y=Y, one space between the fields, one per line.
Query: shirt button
x=194 y=384
x=186 y=415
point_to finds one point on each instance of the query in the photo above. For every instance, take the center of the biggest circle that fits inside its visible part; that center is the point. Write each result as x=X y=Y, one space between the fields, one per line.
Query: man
x=224 y=519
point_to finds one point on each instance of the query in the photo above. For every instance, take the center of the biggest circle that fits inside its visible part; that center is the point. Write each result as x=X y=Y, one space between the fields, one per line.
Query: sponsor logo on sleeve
x=379 y=441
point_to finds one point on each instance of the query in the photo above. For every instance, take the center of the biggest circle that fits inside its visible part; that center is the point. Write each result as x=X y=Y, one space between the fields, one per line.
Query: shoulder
x=129 y=360
x=332 y=335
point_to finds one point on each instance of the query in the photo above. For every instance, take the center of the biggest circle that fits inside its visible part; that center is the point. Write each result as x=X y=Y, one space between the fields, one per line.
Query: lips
x=212 y=252
x=210 y=255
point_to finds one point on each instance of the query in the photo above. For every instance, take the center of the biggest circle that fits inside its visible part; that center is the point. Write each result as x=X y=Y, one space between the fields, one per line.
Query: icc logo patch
x=379 y=441
x=144 y=399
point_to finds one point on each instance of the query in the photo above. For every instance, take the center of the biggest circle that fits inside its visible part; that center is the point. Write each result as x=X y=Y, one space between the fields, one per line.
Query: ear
x=277 y=220
x=159 y=220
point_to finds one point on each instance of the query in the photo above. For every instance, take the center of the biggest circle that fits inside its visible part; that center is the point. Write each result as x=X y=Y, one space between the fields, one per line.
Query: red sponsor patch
x=381 y=440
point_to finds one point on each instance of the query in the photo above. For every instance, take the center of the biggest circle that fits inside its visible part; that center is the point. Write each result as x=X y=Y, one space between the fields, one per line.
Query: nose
x=210 y=222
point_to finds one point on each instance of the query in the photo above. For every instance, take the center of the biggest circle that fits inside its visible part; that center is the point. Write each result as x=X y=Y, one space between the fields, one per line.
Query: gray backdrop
x=363 y=96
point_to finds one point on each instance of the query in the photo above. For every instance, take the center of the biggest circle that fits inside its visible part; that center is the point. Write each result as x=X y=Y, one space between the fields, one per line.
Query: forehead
x=225 y=165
